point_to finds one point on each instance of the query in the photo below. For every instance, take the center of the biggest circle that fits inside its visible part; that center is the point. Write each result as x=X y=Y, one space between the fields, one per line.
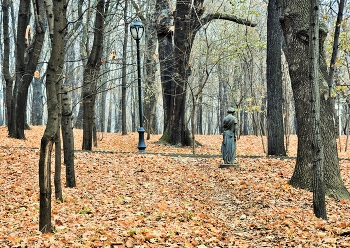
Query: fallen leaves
x=165 y=198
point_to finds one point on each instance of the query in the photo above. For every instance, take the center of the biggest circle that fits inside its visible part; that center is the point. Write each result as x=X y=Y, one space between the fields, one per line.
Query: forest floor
x=166 y=198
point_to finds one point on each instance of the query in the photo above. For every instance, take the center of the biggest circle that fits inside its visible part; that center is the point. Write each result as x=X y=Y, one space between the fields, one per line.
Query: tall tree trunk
x=188 y=20
x=53 y=82
x=26 y=61
x=151 y=88
x=124 y=85
x=91 y=74
x=275 y=144
x=186 y=27
x=294 y=20
x=6 y=62
x=319 y=201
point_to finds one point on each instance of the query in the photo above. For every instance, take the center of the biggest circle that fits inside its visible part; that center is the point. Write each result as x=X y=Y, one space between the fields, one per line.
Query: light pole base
x=141 y=145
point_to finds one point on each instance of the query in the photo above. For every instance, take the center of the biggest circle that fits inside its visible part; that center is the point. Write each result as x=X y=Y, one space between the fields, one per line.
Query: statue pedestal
x=236 y=165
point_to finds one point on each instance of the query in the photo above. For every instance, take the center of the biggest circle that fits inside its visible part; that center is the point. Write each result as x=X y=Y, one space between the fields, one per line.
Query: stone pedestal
x=236 y=165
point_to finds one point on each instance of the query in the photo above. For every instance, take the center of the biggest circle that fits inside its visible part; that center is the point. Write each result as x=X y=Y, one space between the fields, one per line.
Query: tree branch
x=223 y=16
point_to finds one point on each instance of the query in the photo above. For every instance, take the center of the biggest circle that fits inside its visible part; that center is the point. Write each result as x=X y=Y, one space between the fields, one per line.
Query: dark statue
x=228 y=146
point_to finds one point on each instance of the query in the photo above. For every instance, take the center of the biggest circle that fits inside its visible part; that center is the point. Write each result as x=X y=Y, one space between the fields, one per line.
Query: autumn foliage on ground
x=166 y=197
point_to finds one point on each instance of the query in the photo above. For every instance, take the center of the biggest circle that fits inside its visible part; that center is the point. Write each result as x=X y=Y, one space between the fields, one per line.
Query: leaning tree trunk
x=294 y=20
x=53 y=81
x=275 y=137
x=27 y=56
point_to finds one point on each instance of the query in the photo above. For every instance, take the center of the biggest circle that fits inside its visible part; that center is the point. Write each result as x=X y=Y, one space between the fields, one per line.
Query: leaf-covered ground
x=164 y=198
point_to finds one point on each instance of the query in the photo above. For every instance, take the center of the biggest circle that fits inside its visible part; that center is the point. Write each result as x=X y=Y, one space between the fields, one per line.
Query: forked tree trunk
x=27 y=56
x=187 y=21
x=91 y=74
x=294 y=20
x=53 y=81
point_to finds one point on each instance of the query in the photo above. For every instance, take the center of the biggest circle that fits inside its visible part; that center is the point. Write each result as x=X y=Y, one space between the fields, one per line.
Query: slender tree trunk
x=295 y=19
x=53 y=82
x=319 y=201
x=6 y=62
x=68 y=138
x=124 y=86
x=58 y=167
x=91 y=73
x=151 y=88
x=200 y=115
x=275 y=129
x=336 y=42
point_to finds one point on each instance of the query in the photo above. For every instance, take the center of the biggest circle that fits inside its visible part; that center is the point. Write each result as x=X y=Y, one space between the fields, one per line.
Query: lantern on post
x=137 y=30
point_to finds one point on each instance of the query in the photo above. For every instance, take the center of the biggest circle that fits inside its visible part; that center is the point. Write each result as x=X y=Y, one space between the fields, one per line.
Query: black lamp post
x=137 y=29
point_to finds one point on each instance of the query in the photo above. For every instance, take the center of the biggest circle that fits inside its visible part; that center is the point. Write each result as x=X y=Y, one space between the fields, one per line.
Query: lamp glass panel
x=140 y=31
x=134 y=32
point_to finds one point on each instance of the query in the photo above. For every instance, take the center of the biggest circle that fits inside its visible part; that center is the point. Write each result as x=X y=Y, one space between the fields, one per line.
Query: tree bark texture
x=27 y=56
x=38 y=104
x=275 y=138
x=124 y=83
x=91 y=75
x=186 y=26
x=151 y=88
x=68 y=138
x=294 y=20
x=53 y=81
x=166 y=61
x=6 y=61
x=319 y=202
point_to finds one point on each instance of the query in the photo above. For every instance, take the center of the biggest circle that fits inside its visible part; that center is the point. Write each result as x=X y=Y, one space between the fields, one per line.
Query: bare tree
x=57 y=12
x=27 y=55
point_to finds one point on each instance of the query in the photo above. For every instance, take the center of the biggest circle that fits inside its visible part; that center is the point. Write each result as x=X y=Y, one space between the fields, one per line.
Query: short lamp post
x=137 y=29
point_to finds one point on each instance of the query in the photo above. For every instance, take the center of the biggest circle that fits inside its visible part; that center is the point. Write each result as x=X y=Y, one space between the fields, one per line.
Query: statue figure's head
x=230 y=110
